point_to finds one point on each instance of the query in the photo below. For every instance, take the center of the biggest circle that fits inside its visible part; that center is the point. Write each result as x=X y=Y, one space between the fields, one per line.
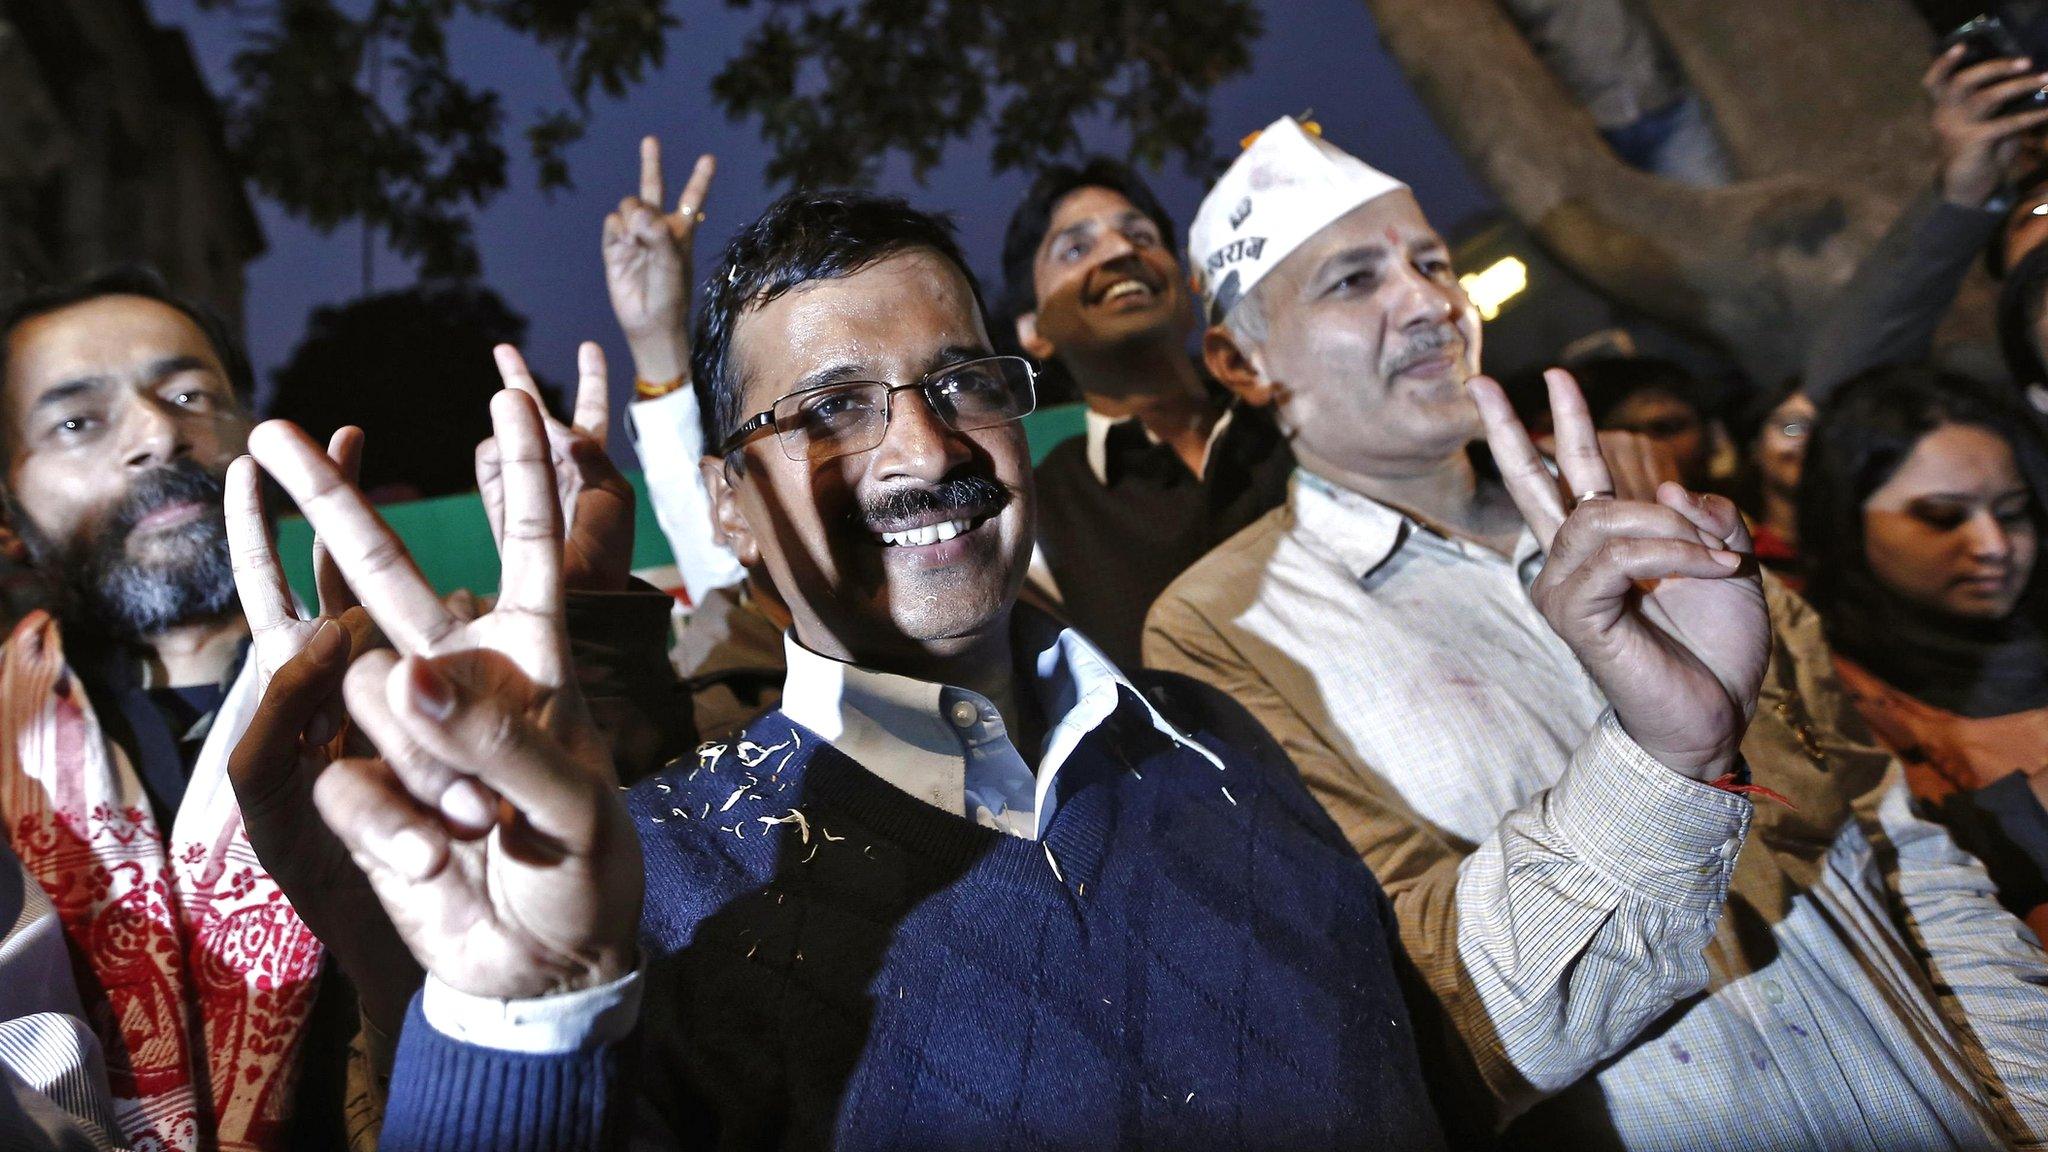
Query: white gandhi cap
x=1289 y=184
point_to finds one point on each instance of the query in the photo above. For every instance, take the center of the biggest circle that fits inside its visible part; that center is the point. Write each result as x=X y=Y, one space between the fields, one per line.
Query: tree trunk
x=1817 y=102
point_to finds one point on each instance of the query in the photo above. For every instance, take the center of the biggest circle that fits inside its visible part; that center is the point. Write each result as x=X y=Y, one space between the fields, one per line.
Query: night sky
x=541 y=253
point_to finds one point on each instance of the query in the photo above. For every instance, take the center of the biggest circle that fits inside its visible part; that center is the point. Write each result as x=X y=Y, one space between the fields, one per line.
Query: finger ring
x=1596 y=494
x=700 y=217
x=685 y=211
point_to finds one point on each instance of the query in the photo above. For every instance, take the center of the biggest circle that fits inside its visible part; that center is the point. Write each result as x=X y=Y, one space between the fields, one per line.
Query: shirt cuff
x=542 y=1026
x=1648 y=828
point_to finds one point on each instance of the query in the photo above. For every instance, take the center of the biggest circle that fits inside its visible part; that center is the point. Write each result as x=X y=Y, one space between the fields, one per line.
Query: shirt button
x=965 y=714
x=1774 y=992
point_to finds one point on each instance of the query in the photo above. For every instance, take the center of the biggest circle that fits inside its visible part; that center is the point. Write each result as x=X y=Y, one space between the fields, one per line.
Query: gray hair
x=1246 y=319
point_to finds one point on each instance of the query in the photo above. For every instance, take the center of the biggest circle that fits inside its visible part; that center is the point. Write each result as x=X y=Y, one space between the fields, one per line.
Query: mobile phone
x=1987 y=38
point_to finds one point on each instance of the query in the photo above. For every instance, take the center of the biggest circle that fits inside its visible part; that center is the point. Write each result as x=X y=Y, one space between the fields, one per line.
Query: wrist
x=566 y=976
x=1967 y=191
x=658 y=359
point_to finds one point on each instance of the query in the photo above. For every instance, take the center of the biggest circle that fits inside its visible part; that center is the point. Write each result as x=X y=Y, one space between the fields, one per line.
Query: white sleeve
x=541 y=1026
x=669 y=439
x=1987 y=970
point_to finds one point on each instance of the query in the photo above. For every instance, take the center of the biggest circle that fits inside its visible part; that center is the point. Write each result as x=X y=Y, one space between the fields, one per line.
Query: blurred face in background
x=1781 y=445
x=1674 y=425
x=1954 y=530
x=2026 y=227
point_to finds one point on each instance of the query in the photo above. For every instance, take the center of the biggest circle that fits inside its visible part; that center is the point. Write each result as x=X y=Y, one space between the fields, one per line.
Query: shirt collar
x=900 y=729
x=1363 y=533
x=1099 y=426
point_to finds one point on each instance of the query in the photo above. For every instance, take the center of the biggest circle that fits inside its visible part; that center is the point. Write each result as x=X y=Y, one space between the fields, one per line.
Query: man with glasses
x=968 y=886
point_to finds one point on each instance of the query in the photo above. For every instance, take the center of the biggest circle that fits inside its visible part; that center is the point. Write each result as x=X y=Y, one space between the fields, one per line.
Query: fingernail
x=320 y=729
x=410 y=853
x=431 y=696
x=1727 y=559
x=326 y=640
x=466 y=803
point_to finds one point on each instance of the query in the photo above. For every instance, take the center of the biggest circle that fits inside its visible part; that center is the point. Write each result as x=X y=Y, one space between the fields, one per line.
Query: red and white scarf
x=196 y=974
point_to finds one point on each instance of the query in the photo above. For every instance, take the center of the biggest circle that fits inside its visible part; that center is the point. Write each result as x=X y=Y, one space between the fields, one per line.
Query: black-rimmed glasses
x=853 y=416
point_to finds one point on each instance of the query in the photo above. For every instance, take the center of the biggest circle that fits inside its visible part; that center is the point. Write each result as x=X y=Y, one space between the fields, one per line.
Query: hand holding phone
x=1987 y=95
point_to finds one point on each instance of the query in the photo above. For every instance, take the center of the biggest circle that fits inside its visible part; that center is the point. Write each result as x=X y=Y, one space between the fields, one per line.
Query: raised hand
x=595 y=497
x=647 y=266
x=548 y=900
x=298 y=729
x=1658 y=599
x=1977 y=145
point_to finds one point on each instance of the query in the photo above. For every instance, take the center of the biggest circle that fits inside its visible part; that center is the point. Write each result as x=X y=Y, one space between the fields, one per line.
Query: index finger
x=371 y=556
x=593 y=414
x=259 y=578
x=530 y=555
x=650 y=172
x=513 y=372
x=1521 y=466
x=690 y=205
x=1578 y=445
x=345 y=448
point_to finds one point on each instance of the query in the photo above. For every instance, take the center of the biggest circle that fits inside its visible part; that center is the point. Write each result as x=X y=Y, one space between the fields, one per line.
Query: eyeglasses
x=852 y=417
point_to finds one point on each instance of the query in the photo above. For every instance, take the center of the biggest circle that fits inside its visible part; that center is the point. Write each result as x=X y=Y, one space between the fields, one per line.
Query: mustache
x=1422 y=346
x=977 y=494
x=181 y=481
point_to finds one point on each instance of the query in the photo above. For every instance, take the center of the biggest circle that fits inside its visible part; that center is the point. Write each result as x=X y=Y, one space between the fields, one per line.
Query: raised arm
x=1891 y=307
x=647 y=269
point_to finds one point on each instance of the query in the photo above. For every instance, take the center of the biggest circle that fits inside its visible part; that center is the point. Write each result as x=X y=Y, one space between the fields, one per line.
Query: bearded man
x=123 y=406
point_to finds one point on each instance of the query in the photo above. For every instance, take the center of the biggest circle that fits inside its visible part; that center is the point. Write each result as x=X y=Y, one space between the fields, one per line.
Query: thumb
x=297 y=693
x=479 y=734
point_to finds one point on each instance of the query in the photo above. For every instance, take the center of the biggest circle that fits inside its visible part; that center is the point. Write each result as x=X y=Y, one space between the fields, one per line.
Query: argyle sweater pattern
x=1191 y=958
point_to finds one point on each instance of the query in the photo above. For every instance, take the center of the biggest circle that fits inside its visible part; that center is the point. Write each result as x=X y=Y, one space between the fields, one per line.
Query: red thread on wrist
x=1730 y=782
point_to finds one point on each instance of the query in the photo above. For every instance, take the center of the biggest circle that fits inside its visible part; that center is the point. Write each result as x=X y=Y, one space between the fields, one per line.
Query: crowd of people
x=1330 y=747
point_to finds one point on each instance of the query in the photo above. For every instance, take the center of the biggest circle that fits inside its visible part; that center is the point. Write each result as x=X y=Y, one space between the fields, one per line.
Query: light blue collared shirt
x=948 y=746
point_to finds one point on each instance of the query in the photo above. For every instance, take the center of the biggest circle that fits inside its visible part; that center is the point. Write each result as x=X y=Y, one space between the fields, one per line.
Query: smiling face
x=916 y=547
x=120 y=424
x=1954 y=528
x=1368 y=341
x=1103 y=276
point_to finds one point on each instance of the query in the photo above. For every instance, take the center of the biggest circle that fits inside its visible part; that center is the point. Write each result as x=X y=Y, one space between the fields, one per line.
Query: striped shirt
x=1563 y=892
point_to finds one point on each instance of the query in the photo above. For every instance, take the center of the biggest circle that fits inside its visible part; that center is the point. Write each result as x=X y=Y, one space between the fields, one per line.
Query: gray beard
x=133 y=600
x=101 y=588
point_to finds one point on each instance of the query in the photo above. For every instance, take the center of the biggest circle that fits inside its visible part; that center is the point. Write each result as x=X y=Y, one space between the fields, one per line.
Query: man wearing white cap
x=1560 y=818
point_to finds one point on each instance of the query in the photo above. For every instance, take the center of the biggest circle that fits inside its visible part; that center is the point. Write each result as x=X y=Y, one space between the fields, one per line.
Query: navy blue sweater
x=1191 y=959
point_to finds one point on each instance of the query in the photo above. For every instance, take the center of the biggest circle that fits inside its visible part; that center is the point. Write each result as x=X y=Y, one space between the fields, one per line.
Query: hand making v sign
x=547 y=900
x=1660 y=600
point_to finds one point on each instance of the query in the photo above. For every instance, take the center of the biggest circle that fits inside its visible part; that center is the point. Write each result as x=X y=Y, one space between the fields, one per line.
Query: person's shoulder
x=1228 y=576
x=1254 y=762
x=1067 y=462
x=1194 y=707
x=708 y=823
